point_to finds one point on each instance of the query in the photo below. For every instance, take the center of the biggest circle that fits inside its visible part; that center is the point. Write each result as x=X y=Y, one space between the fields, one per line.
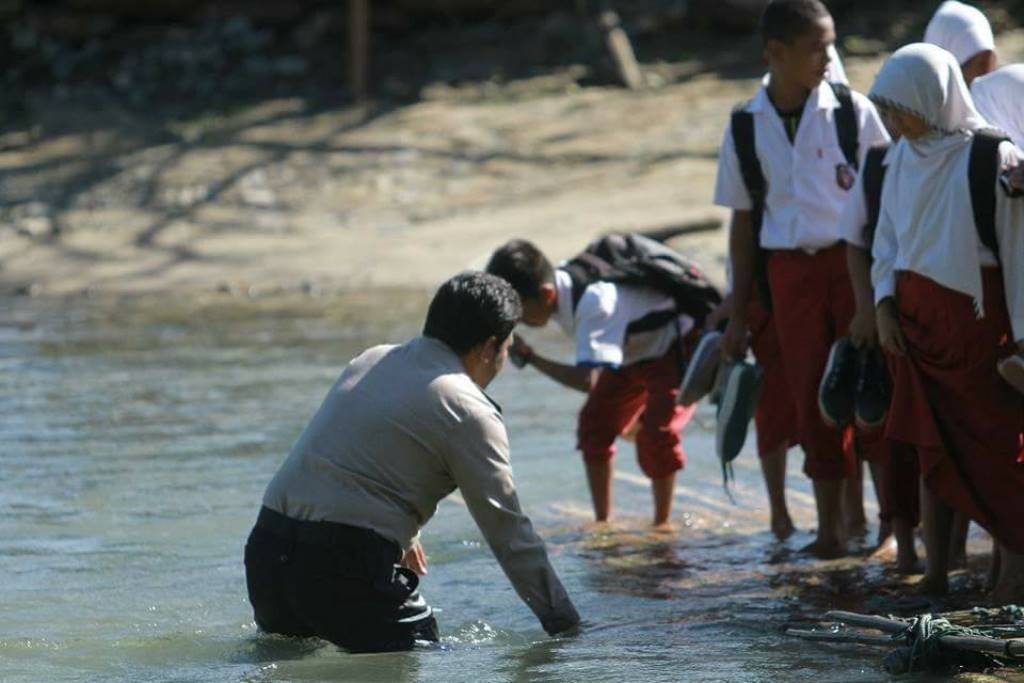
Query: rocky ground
x=165 y=170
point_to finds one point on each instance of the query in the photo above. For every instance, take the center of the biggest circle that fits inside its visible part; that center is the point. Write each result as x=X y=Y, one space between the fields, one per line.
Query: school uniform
x=632 y=334
x=808 y=182
x=960 y=310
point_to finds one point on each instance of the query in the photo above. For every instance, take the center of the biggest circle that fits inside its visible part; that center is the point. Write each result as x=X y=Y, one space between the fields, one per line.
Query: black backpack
x=753 y=176
x=630 y=259
x=982 y=171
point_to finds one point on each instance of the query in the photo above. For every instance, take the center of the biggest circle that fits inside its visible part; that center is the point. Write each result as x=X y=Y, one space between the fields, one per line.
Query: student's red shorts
x=812 y=303
x=775 y=417
x=644 y=392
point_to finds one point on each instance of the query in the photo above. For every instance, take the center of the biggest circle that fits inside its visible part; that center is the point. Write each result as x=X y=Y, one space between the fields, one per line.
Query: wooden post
x=621 y=50
x=359 y=47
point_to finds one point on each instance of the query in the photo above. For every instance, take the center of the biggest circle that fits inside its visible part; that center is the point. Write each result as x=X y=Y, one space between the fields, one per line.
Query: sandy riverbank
x=282 y=197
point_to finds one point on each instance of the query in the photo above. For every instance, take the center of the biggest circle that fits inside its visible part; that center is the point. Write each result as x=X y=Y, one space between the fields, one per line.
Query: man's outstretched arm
x=479 y=463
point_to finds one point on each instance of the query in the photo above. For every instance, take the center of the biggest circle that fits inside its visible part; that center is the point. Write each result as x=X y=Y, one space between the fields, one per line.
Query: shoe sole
x=866 y=426
x=1012 y=370
x=748 y=383
x=821 y=385
x=700 y=371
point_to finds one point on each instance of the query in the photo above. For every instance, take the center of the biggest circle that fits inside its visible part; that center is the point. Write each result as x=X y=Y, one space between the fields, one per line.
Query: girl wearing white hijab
x=946 y=312
x=999 y=97
x=964 y=31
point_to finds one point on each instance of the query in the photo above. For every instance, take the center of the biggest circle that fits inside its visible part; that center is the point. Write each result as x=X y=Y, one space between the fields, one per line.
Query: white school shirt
x=922 y=251
x=599 y=325
x=855 y=214
x=804 y=197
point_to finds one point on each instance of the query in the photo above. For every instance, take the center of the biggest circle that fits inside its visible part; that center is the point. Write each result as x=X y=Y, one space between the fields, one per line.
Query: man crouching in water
x=335 y=551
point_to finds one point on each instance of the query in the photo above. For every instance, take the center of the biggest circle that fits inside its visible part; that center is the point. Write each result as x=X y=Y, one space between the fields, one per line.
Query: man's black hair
x=470 y=308
x=787 y=20
x=523 y=266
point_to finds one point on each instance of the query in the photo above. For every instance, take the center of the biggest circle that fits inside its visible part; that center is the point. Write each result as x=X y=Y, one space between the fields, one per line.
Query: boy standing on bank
x=788 y=235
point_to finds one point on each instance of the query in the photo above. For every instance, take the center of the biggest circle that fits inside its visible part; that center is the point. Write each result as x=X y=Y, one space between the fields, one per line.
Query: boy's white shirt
x=804 y=198
x=598 y=324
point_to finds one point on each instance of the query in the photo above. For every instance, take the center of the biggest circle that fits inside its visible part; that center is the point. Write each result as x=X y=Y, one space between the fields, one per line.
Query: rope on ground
x=922 y=648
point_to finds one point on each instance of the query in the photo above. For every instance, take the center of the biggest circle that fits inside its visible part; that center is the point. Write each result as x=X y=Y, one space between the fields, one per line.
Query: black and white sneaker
x=839 y=384
x=874 y=392
x=1012 y=370
x=699 y=378
x=741 y=390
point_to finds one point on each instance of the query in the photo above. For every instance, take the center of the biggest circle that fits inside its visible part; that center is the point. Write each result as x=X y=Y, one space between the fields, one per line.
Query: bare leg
x=773 y=466
x=1010 y=584
x=599 y=477
x=830 y=542
x=937 y=518
x=906 y=554
x=663 y=489
x=884 y=526
x=958 y=541
x=854 y=521
x=994 y=566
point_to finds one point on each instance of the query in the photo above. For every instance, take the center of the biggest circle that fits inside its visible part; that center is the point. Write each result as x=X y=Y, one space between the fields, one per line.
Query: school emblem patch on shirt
x=845 y=176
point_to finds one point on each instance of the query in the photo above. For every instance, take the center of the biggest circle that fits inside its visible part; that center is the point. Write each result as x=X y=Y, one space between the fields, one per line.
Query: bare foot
x=663 y=528
x=932 y=585
x=782 y=527
x=823 y=550
x=884 y=531
x=906 y=561
x=885 y=551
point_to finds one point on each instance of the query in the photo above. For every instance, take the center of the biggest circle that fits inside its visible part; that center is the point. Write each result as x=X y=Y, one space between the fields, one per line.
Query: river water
x=137 y=441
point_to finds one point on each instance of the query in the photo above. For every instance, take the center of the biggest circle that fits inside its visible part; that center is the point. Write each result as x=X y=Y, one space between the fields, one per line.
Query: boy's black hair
x=787 y=20
x=470 y=308
x=522 y=265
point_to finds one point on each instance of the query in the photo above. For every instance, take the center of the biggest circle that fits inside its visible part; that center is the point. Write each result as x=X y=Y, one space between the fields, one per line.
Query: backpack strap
x=872 y=178
x=846 y=123
x=982 y=171
x=742 y=126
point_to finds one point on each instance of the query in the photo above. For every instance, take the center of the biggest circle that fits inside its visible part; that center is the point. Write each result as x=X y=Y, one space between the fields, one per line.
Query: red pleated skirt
x=950 y=404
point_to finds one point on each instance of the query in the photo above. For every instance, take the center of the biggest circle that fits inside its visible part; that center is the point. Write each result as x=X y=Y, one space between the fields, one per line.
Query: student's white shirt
x=600 y=322
x=855 y=214
x=927 y=250
x=804 y=198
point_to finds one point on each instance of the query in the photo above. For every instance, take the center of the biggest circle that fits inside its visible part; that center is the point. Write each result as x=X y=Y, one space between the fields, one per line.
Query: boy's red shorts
x=812 y=303
x=775 y=417
x=644 y=392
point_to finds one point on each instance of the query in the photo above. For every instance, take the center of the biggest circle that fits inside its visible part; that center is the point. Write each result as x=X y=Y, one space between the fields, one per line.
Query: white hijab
x=961 y=29
x=999 y=97
x=926 y=193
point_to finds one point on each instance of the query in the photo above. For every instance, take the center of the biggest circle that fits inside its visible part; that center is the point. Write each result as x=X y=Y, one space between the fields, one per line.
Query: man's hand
x=863 y=328
x=415 y=559
x=734 y=340
x=889 y=334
